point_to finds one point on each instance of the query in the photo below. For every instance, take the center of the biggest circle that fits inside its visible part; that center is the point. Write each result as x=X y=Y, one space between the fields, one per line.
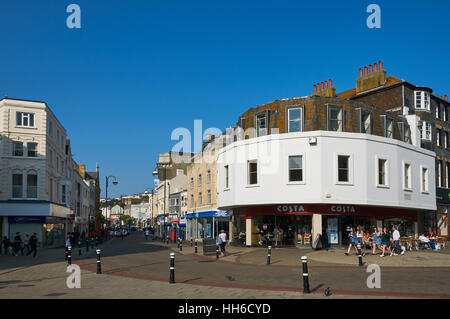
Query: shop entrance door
x=346 y=222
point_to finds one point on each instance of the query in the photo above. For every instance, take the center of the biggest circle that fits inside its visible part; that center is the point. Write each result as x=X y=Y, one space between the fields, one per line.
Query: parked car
x=118 y=233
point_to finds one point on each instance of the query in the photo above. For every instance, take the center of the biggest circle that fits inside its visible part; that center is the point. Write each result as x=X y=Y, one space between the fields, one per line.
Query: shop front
x=208 y=224
x=49 y=230
x=443 y=204
x=297 y=225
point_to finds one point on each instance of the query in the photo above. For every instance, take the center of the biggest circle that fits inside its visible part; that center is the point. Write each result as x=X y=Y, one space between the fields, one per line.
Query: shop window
x=382 y=172
x=32 y=185
x=335 y=118
x=252 y=173
x=227 y=177
x=296 y=168
x=17 y=149
x=343 y=168
x=25 y=119
x=424 y=179
x=295 y=119
x=407 y=176
x=17 y=188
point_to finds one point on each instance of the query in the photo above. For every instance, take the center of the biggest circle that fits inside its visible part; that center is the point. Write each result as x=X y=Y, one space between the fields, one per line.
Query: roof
x=390 y=81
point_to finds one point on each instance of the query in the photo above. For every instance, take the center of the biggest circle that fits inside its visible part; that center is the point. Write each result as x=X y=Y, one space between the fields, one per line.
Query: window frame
x=288 y=115
x=424 y=190
x=28 y=185
x=424 y=97
x=265 y=115
x=288 y=178
x=248 y=173
x=13 y=185
x=227 y=176
x=386 y=173
x=350 y=181
x=14 y=150
x=391 y=121
x=409 y=186
x=25 y=115
x=330 y=107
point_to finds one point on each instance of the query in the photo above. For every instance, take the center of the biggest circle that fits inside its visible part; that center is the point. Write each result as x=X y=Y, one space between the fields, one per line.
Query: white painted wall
x=320 y=171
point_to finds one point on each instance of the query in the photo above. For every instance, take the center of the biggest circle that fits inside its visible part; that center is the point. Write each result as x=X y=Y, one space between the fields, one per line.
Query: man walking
x=6 y=244
x=396 y=241
x=26 y=243
x=18 y=244
x=146 y=234
x=33 y=245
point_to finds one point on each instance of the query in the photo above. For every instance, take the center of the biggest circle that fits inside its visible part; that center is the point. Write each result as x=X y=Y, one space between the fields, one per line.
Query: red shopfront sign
x=325 y=209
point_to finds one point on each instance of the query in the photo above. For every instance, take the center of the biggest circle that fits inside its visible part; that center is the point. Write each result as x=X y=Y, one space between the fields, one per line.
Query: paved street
x=134 y=268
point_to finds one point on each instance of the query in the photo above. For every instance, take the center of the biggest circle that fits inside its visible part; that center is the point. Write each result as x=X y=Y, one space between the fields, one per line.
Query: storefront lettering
x=290 y=208
x=343 y=209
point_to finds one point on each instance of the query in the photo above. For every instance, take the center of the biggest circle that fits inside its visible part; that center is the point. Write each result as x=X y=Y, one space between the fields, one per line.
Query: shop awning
x=213 y=213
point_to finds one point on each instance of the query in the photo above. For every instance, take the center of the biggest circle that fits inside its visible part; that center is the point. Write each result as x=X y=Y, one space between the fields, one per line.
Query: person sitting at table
x=425 y=240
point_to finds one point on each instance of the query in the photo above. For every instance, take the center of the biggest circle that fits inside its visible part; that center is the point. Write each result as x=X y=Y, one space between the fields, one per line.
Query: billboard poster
x=333 y=237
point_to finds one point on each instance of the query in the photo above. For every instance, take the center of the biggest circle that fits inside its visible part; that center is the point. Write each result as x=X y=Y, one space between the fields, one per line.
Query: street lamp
x=115 y=182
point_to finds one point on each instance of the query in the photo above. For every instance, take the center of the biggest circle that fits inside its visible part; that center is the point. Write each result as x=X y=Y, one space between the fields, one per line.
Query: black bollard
x=360 y=262
x=181 y=244
x=67 y=253
x=217 y=252
x=305 y=275
x=269 y=250
x=79 y=248
x=195 y=246
x=96 y=241
x=69 y=258
x=172 y=268
x=92 y=242
x=191 y=241
x=87 y=244
x=99 y=263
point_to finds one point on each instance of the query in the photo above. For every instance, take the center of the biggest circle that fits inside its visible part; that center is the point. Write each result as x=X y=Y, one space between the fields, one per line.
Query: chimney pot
x=360 y=72
x=326 y=84
x=446 y=97
x=315 y=88
x=370 y=69
x=322 y=86
x=331 y=83
x=365 y=70
x=375 y=66
x=381 y=65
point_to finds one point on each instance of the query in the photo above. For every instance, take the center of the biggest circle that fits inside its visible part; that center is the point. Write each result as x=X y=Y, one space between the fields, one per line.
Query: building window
x=32 y=149
x=389 y=128
x=448 y=174
x=192 y=200
x=343 y=168
x=17 y=181
x=382 y=172
x=446 y=140
x=208 y=177
x=366 y=126
x=295 y=169
x=208 y=196
x=335 y=118
x=17 y=149
x=295 y=119
x=50 y=128
x=424 y=179
x=63 y=194
x=199 y=181
x=200 y=199
x=445 y=113
x=252 y=173
x=192 y=183
x=242 y=122
x=407 y=135
x=25 y=119
x=438 y=111
x=439 y=177
x=227 y=177
x=407 y=176
x=261 y=125
x=438 y=137
x=32 y=186
x=425 y=130
x=422 y=100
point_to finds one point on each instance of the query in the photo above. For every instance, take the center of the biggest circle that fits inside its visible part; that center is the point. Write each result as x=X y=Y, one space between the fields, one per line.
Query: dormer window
x=24 y=119
x=422 y=100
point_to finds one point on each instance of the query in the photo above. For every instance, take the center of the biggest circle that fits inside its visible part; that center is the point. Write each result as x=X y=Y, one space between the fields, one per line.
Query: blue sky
x=136 y=70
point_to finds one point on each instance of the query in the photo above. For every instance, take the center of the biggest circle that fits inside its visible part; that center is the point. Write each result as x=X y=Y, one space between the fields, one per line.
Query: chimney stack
x=446 y=97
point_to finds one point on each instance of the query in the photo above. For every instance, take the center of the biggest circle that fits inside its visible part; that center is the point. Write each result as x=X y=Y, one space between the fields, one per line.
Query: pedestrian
x=396 y=250
x=359 y=239
x=33 y=245
x=222 y=241
x=385 y=242
x=146 y=234
x=26 y=243
x=6 y=244
x=17 y=244
x=376 y=240
x=352 y=238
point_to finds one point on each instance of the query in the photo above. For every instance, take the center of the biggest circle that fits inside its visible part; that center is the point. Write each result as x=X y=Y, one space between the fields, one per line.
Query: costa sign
x=290 y=208
x=342 y=209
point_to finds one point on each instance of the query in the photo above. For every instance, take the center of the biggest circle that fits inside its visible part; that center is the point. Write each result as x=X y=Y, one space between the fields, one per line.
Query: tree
x=127 y=219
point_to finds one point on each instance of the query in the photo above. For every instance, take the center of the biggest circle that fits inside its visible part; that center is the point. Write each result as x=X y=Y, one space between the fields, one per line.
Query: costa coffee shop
x=297 y=222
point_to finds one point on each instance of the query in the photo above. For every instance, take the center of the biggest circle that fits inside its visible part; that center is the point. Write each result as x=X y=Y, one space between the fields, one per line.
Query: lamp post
x=151 y=209
x=115 y=182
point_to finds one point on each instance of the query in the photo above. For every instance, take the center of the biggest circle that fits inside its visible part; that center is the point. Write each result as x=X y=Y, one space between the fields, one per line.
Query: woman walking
x=359 y=239
x=376 y=240
x=385 y=242
x=352 y=240
x=222 y=242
